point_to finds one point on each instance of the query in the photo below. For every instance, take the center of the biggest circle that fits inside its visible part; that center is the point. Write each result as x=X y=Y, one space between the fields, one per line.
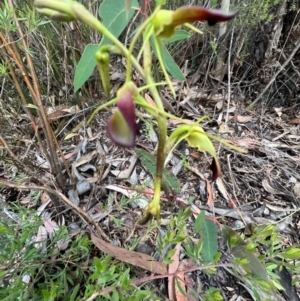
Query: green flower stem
x=79 y=12
x=134 y=41
x=142 y=103
x=109 y=103
x=154 y=207
x=146 y=87
x=158 y=44
x=147 y=35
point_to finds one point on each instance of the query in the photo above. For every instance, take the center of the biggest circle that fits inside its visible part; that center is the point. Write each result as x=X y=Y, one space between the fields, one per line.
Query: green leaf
x=171 y=253
x=127 y=6
x=114 y=18
x=239 y=250
x=290 y=253
x=115 y=295
x=171 y=66
x=70 y=135
x=169 y=181
x=74 y=292
x=213 y=294
x=209 y=233
x=85 y=66
x=182 y=290
x=199 y=221
x=31 y=106
x=178 y=36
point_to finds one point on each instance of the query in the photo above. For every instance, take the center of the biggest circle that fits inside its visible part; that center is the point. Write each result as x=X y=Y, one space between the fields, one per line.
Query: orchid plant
x=122 y=127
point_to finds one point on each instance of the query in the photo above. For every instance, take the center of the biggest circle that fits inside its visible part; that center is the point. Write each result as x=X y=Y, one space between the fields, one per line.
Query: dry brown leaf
x=173 y=267
x=175 y=293
x=180 y=282
x=224 y=128
x=173 y=122
x=296 y=190
x=268 y=188
x=59 y=111
x=149 y=100
x=294 y=121
x=139 y=199
x=219 y=105
x=25 y=200
x=135 y=258
x=243 y=119
x=41 y=239
x=188 y=278
x=210 y=200
x=221 y=187
x=85 y=159
x=50 y=225
x=125 y=174
x=195 y=155
x=59 y=108
x=247 y=143
x=45 y=197
x=62 y=244
x=69 y=155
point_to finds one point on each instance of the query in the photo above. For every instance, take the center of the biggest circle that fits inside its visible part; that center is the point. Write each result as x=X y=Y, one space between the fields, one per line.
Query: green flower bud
x=55 y=15
x=102 y=59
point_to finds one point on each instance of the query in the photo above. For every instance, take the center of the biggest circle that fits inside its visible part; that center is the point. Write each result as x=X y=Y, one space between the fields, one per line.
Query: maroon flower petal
x=216 y=169
x=189 y=14
x=119 y=131
x=122 y=127
x=166 y=21
x=126 y=107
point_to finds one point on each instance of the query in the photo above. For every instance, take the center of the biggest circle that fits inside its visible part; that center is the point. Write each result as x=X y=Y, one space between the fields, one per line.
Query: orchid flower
x=166 y=21
x=122 y=127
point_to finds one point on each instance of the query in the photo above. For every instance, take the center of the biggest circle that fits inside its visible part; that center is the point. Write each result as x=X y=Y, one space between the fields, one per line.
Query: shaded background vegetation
x=255 y=45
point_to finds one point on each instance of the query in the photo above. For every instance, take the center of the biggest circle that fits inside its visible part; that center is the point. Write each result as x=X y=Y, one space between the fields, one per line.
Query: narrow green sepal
x=196 y=137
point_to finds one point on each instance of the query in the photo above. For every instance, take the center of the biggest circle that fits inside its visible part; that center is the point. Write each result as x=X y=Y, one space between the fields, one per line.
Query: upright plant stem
x=140 y=31
x=162 y=126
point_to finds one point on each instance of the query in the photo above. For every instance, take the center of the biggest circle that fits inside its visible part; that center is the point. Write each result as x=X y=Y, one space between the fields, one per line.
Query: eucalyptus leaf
x=171 y=66
x=209 y=235
x=199 y=221
x=239 y=251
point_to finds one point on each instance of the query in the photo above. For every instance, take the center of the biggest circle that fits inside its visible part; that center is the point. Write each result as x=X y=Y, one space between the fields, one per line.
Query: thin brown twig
x=51 y=140
x=15 y=57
